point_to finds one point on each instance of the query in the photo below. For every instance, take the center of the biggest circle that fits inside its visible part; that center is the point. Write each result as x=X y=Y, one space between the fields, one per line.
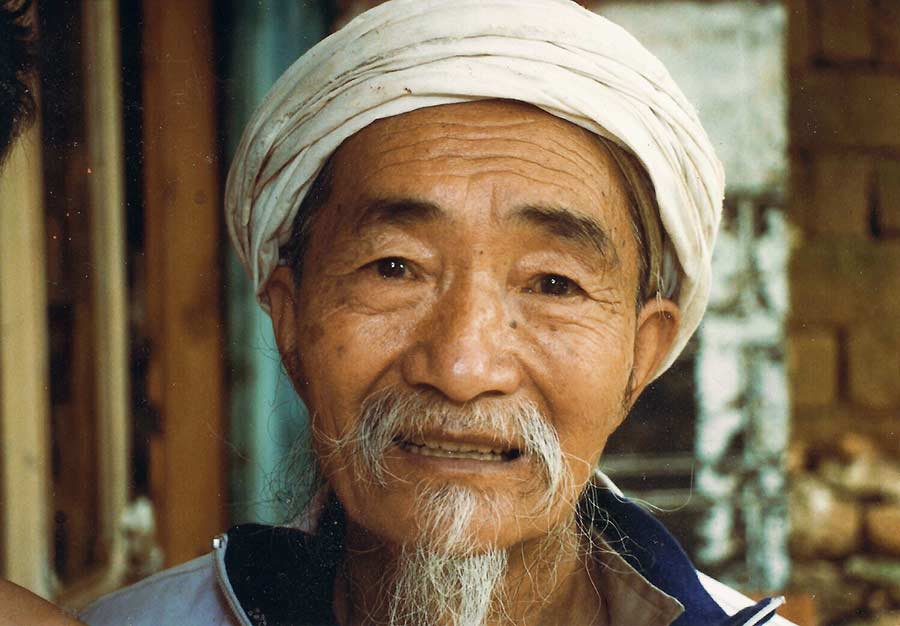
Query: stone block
x=879 y=601
x=873 y=360
x=845 y=108
x=812 y=367
x=891 y=618
x=845 y=282
x=883 y=529
x=887 y=31
x=853 y=446
x=845 y=30
x=819 y=428
x=838 y=202
x=835 y=596
x=870 y=477
x=875 y=570
x=887 y=174
x=822 y=524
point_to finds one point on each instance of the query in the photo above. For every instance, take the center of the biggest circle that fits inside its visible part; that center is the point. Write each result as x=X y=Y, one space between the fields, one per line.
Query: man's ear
x=657 y=326
x=281 y=292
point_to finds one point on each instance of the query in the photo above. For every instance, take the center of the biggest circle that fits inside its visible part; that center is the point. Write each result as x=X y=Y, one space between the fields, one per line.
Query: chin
x=457 y=519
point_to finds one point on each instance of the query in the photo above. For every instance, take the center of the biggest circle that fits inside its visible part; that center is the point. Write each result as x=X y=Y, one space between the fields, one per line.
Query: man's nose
x=464 y=348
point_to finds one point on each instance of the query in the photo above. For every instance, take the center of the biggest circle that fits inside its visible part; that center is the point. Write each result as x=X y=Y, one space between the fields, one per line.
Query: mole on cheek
x=552 y=329
x=514 y=324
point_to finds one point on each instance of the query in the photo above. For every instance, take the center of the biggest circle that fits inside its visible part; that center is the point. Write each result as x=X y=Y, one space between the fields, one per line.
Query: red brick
x=887 y=31
x=873 y=355
x=845 y=282
x=800 y=47
x=838 y=202
x=800 y=187
x=846 y=30
x=888 y=177
x=812 y=357
x=838 y=108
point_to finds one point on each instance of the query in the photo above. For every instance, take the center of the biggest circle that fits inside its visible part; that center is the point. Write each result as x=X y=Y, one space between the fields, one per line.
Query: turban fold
x=405 y=55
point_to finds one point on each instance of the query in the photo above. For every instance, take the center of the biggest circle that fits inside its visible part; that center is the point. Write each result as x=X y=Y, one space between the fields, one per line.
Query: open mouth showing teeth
x=462 y=451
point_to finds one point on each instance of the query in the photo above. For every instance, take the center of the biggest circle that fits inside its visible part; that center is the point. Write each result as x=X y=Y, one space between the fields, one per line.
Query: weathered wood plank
x=24 y=401
x=183 y=235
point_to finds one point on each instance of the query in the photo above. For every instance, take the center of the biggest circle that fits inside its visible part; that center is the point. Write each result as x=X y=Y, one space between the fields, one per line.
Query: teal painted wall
x=258 y=41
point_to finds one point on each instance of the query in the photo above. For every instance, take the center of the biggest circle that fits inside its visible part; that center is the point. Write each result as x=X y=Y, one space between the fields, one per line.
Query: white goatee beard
x=439 y=579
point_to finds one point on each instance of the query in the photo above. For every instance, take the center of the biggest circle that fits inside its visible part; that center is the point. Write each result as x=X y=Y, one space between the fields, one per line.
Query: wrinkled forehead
x=518 y=144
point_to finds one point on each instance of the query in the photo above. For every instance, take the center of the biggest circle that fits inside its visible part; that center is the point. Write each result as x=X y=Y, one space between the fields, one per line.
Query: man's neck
x=547 y=581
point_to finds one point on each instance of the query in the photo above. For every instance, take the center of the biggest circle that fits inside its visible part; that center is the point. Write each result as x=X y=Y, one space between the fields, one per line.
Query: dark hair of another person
x=17 y=59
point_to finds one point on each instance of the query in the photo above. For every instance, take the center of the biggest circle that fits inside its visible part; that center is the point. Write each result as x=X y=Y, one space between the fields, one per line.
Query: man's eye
x=556 y=285
x=391 y=267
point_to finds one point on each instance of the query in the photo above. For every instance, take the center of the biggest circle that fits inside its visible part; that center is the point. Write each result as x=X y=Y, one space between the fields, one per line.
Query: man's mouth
x=462 y=450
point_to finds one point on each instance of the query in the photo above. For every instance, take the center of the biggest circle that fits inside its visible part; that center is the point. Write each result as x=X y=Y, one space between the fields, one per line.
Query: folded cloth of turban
x=410 y=54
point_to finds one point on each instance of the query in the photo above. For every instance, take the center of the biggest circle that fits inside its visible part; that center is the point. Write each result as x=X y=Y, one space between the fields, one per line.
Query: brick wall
x=844 y=325
x=844 y=352
x=844 y=68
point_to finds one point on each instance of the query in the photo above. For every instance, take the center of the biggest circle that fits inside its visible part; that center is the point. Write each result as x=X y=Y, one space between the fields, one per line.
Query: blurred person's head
x=17 y=103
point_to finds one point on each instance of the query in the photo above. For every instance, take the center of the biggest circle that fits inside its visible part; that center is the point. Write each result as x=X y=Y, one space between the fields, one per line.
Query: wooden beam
x=106 y=205
x=24 y=397
x=184 y=312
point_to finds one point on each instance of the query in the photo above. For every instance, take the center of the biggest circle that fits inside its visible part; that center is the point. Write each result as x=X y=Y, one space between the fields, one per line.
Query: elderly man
x=481 y=228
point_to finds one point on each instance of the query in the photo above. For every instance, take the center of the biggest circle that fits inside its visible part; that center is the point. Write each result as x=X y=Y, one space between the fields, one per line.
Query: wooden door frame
x=183 y=234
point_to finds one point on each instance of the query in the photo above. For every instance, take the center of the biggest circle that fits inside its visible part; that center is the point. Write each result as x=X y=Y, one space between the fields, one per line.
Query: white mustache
x=393 y=413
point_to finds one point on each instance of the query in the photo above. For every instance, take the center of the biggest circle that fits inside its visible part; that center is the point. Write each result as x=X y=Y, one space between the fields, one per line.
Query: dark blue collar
x=648 y=547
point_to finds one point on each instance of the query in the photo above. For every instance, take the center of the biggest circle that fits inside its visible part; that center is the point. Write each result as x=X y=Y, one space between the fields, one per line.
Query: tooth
x=453 y=451
x=451 y=446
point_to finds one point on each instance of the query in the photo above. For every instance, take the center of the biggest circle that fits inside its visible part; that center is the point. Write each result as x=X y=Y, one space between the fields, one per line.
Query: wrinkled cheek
x=327 y=380
x=583 y=444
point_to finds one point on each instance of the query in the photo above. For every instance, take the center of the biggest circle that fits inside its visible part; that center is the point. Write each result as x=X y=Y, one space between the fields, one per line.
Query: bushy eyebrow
x=397 y=212
x=559 y=222
x=565 y=224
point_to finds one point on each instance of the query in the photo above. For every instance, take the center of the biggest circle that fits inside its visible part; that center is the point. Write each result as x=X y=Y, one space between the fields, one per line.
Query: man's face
x=476 y=253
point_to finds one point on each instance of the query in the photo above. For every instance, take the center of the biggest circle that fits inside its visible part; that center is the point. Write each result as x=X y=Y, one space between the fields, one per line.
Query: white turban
x=409 y=54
